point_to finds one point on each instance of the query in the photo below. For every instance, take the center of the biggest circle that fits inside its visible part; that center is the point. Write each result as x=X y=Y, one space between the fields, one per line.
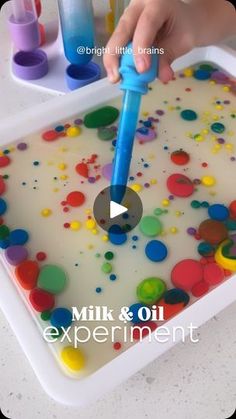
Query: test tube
x=77 y=26
x=23 y=24
x=120 y=6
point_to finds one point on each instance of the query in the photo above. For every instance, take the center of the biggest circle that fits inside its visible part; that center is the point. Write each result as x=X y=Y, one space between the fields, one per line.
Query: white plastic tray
x=60 y=387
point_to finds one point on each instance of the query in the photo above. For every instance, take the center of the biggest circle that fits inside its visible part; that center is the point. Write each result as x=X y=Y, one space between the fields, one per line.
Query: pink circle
x=186 y=274
x=107 y=171
x=180 y=185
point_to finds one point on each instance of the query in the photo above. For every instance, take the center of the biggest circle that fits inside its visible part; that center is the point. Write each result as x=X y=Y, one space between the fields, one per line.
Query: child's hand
x=170 y=24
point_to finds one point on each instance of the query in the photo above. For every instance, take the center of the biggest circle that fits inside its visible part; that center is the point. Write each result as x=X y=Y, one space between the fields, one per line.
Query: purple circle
x=78 y=121
x=91 y=179
x=107 y=171
x=146 y=135
x=160 y=112
x=232 y=158
x=220 y=140
x=16 y=254
x=22 y=146
x=31 y=65
x=219 y=77
x=191 y=231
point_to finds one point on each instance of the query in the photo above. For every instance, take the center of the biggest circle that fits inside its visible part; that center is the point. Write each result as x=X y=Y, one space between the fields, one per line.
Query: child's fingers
x=150 y=22
x=121 y=36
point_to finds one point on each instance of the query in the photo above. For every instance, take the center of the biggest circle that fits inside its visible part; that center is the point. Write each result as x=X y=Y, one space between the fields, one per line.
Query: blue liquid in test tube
x=77 y=25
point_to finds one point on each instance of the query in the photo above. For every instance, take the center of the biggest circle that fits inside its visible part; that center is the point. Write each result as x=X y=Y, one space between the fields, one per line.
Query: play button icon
x=124 y=215
x=116 y=209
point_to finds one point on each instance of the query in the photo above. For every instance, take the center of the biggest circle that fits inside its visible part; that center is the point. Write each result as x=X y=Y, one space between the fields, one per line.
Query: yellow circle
x=46 y=212
x=136 y=187
x=188 y=72
x=165 y=202
x=173 y=230
x=219 y=107
x=223 y=261
x=90 y=224
x=73 y=358
x=75 y=225
x=226 y=88
x=208 y=180
x=62 y=166
x=73 y=131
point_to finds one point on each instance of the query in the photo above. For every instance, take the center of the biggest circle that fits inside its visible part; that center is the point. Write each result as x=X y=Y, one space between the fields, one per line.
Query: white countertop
x=191 y=381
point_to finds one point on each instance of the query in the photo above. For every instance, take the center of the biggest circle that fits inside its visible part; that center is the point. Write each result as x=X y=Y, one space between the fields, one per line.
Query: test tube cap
x=31 y=65
x=79 y=76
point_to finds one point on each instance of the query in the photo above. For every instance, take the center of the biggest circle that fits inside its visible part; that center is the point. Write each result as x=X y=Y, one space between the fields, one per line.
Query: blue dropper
x=134 y=85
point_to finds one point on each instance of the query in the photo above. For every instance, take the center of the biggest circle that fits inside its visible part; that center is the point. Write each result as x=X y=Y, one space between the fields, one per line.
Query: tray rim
x=60 y=387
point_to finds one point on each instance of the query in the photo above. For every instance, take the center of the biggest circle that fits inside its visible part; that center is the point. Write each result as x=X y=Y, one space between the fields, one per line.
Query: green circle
x=218 y=127
x=52 y=278
x=230 y=225
x=106 y=134
x=4 y=232
x=188 y=115
x=195 y=204
x=109 y=255
x=150 y=290
x=205 y=204
x=158 y=211
x=45 y=315
x=205 y=249
x=206 y=67
x=150 y=226
x=106 y=267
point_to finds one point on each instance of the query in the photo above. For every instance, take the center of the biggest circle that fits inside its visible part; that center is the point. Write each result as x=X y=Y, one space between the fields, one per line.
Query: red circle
x=2 y=185
x=50 y=135
x=4 y=161
x=232 y=209
x=82 y=169
x=75 y=199
x=186 y=274
x=141 y=330
x=180 y=157
x=180 y=185
x=212 y=231
x=117 y=346
x=213 y=274
x=200 y=289
x=40 y=256
x=41 y=300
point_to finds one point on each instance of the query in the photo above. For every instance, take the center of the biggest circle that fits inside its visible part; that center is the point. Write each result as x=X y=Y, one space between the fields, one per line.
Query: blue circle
x=134 y=308
x=202 y=74
x=59 y=128
x=3 y=206
x=98 y=290
x=112 y=277
x=4 y=243
x=218 y=212
x=116 y=235
x=61 y=317
x=18 y=237
x=81 y=75
x=156 y=251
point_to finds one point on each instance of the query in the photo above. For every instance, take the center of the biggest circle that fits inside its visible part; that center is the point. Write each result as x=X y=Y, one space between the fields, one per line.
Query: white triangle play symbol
x=116 y=209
